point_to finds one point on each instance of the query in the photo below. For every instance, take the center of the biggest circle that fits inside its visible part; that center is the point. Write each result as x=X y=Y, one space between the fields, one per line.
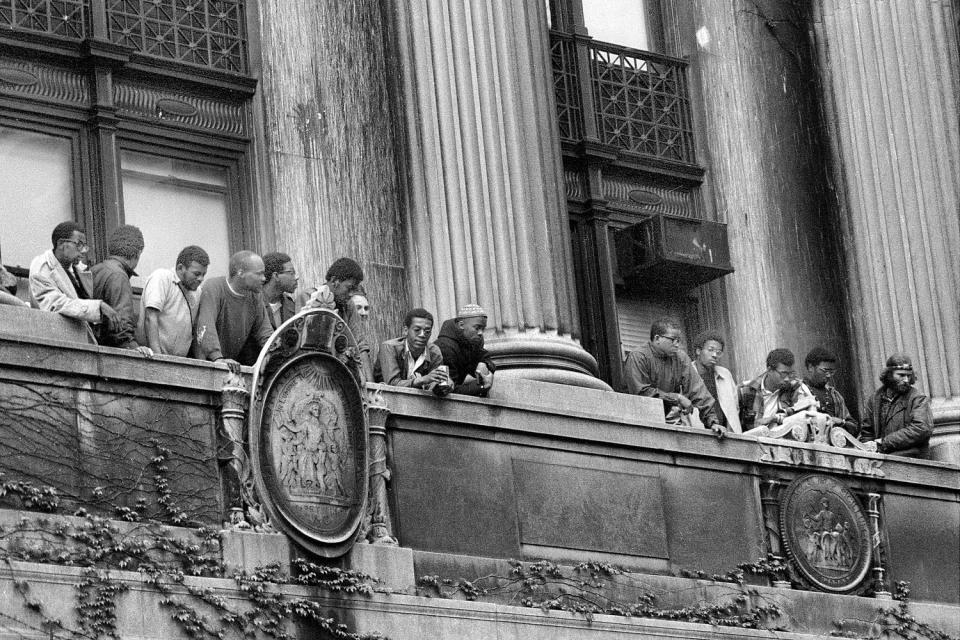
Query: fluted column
x=890 y=74
x=486 y=211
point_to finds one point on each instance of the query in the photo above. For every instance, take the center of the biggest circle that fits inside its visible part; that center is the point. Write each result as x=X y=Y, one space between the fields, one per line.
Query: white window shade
x=635 y=315
x=176 y=203
x=622 y=22
x=34 y=198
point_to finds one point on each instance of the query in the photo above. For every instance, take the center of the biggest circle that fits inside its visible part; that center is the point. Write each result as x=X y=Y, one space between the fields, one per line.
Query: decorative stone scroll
x=832 y=449
x=812 y=426
x=308 y=436
x=825 y=533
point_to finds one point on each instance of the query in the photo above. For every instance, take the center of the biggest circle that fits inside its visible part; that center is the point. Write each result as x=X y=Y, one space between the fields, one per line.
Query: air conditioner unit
x=669 y=253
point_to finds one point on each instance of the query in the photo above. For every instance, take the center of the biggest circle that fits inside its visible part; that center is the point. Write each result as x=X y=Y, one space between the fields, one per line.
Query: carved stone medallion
x=308 y=438
x=825 y=533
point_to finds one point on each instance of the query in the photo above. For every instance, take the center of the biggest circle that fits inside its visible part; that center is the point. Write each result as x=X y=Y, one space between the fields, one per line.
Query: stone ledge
x=405 y=617
x=52 y=357
x=612 y=431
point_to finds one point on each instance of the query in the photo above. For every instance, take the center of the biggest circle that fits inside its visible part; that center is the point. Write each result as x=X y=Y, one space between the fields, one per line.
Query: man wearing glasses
x=660 y=369
x=59 y=284
x=774 y=395
x=821 y=368
x=278 y=290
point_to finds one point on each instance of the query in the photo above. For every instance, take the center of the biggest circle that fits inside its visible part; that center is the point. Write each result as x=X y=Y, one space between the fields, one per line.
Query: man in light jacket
x=708 y=347
x=58 y=284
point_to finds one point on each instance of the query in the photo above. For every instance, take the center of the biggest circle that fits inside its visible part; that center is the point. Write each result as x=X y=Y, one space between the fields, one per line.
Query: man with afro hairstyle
x=707 y=348
x=111 y=283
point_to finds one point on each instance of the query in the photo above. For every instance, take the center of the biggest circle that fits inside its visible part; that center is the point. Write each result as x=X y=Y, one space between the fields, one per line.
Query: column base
x=534 y=355
x=945 y=442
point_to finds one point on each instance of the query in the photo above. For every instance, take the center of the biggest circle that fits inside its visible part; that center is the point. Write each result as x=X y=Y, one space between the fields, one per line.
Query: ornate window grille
x=64 y=18
x=566 y=87
x=642 y=102
x=206 y=33
x=639 y=100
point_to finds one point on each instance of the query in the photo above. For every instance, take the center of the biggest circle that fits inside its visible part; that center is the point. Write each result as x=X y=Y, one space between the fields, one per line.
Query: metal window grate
x=640 y=99
x=64 y=18
x=208 y=33
x=642 y=102
x=566 y=87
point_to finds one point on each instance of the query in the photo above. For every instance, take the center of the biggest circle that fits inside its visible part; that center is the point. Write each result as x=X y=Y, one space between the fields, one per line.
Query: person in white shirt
x=168 y=304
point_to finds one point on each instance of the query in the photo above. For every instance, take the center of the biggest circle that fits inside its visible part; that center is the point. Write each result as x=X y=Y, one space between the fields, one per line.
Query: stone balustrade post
x=245 y=510
x=380 y=529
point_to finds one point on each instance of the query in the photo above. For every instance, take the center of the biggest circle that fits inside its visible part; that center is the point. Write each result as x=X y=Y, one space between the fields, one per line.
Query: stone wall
x=91 y=422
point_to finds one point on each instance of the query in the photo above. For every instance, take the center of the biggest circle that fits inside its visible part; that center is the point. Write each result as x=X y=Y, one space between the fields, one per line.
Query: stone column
x=890 y=86
x=485 y=206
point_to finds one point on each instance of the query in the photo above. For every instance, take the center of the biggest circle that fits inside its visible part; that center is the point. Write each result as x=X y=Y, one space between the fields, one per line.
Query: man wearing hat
x=898 y=417
x=461 y=343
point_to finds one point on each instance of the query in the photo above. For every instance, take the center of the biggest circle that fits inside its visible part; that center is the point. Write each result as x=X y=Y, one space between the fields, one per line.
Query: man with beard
x=898 y=417
x=409 y=361
x=232 y=311
x=775 y=394
x=660 y=369
x=821 y=367
x=461 y=343
x=168 y=304
x=708 y=347
x=57 y=283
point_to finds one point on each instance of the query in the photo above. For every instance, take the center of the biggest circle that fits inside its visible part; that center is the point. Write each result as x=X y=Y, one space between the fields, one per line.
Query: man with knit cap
x=111 y=283
x=898 y=417
x=461 y=343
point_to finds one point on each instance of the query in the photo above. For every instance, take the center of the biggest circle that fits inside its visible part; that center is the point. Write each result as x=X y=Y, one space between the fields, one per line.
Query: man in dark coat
x=898 y=417
x=461 y=343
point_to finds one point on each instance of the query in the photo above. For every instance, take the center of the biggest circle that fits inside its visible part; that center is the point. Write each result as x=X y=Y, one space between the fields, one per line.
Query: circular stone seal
x=825 y=532
x=308 y=436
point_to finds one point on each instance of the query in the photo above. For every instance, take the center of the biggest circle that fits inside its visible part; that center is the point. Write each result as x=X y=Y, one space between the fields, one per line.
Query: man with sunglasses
x=59 y=281
x=661 y=369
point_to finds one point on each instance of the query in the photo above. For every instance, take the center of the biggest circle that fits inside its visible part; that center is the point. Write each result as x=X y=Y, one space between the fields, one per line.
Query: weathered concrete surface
x=89 y=421
x=537 y=478
x=402 y=617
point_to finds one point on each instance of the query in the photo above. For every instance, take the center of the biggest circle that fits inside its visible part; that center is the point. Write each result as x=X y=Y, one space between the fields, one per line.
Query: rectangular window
x=176 y=203
x=630 y=23
x=35 y=197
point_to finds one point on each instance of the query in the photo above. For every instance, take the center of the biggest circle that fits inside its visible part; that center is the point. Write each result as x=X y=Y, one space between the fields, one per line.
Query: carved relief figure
x=293 y=437
x=828 y=544
x=312 y=447
x=335 y=460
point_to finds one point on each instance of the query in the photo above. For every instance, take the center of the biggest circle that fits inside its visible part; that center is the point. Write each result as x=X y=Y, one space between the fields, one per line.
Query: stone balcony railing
x=535 y=471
